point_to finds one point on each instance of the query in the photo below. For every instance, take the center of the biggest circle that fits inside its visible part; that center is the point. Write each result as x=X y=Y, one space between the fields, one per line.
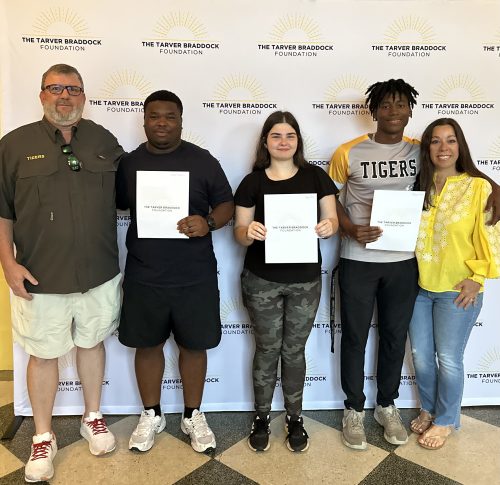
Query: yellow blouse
x=454 y=242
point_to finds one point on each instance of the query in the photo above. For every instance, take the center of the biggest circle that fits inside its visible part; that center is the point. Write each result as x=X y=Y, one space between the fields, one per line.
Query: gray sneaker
x=353 y=430
x=394 y=430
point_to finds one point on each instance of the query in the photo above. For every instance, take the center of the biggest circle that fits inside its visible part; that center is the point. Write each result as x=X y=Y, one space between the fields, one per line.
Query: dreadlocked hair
x=378 y=91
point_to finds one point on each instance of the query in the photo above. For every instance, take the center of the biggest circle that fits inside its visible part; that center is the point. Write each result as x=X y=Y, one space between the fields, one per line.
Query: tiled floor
x=470 y=456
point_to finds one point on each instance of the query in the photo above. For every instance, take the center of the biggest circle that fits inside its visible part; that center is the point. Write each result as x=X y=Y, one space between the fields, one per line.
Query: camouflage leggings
x=282 y=315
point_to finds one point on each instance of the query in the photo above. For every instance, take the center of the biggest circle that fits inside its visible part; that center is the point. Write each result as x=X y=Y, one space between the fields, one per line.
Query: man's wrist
x=212 y=225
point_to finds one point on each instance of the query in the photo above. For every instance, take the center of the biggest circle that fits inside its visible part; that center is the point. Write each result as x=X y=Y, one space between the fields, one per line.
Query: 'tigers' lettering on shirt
x=389 y=169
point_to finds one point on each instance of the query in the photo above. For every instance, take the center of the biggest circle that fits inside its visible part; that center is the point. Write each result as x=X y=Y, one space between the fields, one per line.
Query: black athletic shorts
x=150 y=313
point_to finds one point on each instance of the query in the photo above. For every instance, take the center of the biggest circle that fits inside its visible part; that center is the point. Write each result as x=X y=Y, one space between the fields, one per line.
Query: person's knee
x=149 y=355
x=98 y=347
x=192 y=354
x=450 y=363
x=41 y=362
x=423 y=358
x=269 y=349
x=293 y=354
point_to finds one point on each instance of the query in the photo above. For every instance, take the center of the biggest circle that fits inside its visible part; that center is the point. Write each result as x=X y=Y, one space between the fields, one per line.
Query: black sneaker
x=297 y=439
x=259 y=436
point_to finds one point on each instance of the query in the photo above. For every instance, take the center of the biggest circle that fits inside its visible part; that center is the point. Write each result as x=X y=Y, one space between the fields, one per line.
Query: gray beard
x=65 y=119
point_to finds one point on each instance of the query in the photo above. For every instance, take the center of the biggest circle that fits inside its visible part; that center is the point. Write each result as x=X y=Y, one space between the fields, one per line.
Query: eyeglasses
x=74 y=164
x=59 y=88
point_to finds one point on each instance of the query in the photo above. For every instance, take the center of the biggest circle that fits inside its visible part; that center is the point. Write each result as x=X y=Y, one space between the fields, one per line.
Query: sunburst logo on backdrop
x=295 y=28
x=60 y=21
x=194 y=138
x=410 y=29
x=490 y=361
x=171 y=367
x=348 y=88
x=229 y=309
x=495 y=149
x=67 y=361
x=180 y=26
x=311 y=367
x=408 y=368
x=323 y=315
x=240 y=87
x=459 y=87
x=120 y=83
x=311 y=150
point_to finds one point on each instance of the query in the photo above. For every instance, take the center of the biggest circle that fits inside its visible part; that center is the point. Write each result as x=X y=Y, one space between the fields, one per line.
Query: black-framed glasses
x=73 y=162
x=59 y=88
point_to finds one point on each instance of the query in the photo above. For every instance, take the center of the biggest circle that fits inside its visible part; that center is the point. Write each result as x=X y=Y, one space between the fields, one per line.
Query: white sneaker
x=143 y=437
x=353 y=429
x=197 y=428
x=394 y=429
x=39 y=467
x=94 y=430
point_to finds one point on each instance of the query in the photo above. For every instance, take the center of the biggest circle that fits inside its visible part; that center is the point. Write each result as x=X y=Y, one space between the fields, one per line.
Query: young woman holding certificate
x=455 y=251
x=281 y=298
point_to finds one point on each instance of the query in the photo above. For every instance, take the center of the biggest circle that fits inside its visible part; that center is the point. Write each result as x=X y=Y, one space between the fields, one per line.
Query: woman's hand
x=256 y=231
x=468 y=292
x=325 y=228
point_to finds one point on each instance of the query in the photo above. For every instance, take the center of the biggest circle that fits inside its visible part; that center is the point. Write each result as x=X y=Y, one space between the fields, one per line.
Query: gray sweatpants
x=282 y=315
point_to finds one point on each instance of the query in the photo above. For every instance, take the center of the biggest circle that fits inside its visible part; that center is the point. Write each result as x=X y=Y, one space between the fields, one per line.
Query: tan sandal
x=438 y=439
x=421 y=423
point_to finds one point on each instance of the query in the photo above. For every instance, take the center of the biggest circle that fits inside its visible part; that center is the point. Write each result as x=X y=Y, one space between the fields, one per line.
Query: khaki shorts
x=50 y=325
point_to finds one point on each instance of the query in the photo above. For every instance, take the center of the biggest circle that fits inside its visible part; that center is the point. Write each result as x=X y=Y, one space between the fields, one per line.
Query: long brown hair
x=427 y=168
x=262 y=157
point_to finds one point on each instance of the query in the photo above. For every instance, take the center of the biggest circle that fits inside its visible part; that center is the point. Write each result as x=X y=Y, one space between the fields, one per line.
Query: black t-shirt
x=308 y=180
x=172 y=262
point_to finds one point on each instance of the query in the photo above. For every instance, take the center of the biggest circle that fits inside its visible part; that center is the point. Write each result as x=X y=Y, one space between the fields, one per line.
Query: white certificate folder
x=162 y=201
x=290 y=220
x=397 y=213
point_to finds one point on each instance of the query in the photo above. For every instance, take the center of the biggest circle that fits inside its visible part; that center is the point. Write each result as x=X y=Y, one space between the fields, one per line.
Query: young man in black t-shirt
x=170 y=285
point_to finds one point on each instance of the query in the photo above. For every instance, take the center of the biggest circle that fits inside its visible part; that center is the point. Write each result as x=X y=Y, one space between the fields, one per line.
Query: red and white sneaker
x=39 y=467
x=95 y=431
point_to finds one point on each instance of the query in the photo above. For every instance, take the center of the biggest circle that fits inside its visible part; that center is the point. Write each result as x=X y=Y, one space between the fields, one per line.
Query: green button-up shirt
x=64 y=221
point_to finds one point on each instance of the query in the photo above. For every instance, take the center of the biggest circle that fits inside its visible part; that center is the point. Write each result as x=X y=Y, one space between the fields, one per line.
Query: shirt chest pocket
x=37 y=182
x=100 y=170
x=100 y=173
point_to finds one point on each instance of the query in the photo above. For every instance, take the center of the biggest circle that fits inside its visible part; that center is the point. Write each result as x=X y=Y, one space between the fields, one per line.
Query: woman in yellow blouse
x=456 y=251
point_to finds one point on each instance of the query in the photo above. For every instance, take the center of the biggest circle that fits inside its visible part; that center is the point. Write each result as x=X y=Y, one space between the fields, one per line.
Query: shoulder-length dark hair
x=427 y=169
x=262 y=157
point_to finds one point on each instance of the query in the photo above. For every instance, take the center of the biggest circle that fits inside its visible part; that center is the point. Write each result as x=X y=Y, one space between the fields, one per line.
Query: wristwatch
x=212 y=226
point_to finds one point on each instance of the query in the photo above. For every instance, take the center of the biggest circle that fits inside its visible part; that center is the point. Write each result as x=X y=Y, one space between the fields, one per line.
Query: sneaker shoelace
x=98 y=426
x=296 y=428
x=393 y=415
x=40 y=450
x=145 y=425
x=199 y=425
x=259 y=425
x=356 y=421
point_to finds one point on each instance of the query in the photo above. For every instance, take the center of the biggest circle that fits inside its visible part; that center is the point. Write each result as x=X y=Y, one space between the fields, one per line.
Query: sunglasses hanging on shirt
x=74 y=164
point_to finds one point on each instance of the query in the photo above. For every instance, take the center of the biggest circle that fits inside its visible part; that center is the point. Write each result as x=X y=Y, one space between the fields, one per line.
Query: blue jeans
x=439 y=331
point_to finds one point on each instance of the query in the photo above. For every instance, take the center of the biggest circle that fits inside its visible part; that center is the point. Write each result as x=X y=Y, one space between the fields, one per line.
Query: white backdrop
x=232 y=63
